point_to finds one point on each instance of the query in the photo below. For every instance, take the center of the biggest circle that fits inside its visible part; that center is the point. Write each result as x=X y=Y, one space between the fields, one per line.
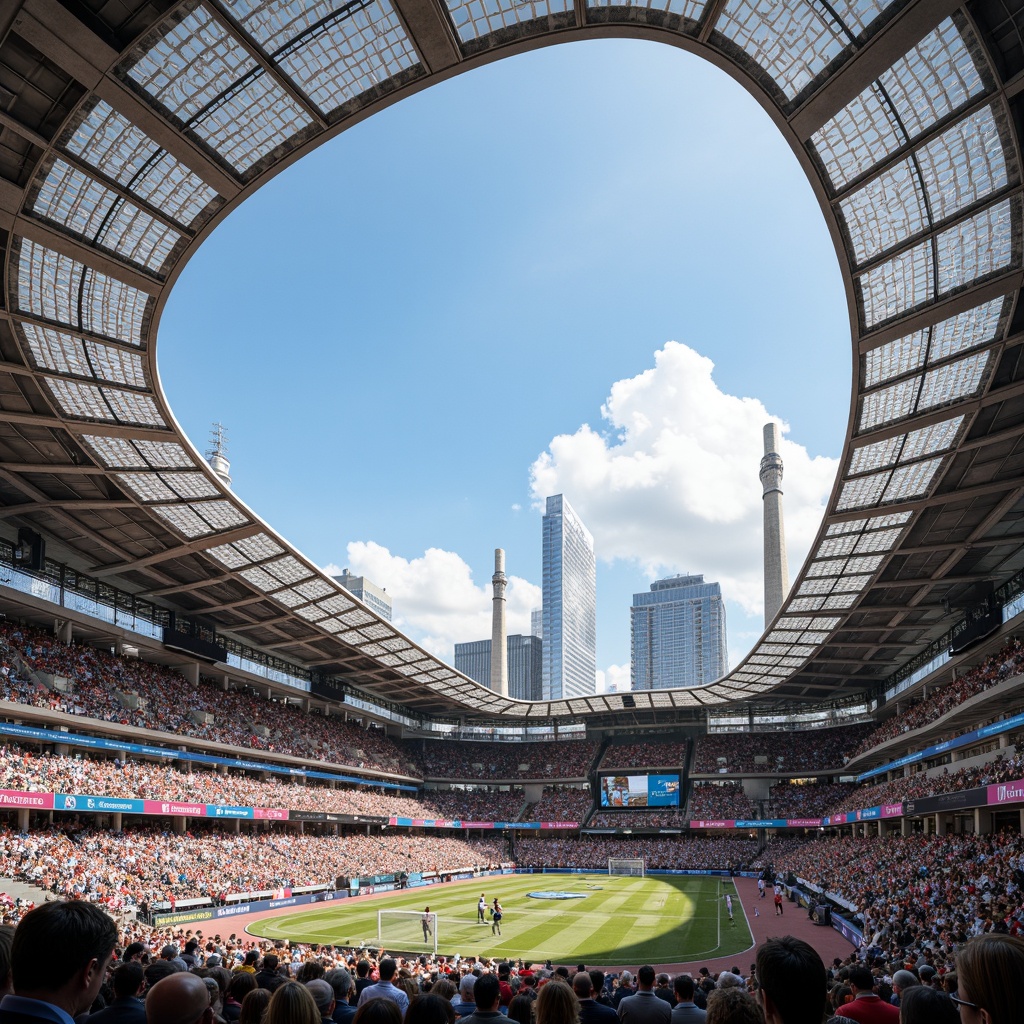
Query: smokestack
x=776 y=569
x=499 y=641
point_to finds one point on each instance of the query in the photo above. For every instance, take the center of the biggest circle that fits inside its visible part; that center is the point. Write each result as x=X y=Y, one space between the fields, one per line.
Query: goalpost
x=632 y=866
x=403 y=929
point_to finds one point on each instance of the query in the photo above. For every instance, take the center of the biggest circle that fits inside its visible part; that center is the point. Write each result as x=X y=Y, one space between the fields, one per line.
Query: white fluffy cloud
x=673 y=483
x=436 y=601
x=613 y=679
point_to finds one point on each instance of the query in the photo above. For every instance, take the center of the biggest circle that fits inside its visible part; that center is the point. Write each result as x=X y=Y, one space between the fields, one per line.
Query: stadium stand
x=779 y=752
x=1005 y=664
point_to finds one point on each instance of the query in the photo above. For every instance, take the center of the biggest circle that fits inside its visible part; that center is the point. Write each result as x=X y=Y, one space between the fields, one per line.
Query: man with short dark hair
x=597 y=979
x=644 y=1007
x=363 y=979
x=59 y=958
x=181 y=998
x=686 y=1010
x=128 y=983
x=866 y=1007
x=792 y=982
x=663 y=990
x=487 y=995
x=384 y=989
x=267 y=976
x=591 y=1011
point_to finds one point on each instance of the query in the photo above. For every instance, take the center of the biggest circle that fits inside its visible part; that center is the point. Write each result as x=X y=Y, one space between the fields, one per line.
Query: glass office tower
x=569 y=604
x=525 y=664
x=678 y=634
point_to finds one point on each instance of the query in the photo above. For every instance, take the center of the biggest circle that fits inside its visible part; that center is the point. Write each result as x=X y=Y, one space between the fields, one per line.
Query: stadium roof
x=129 y=128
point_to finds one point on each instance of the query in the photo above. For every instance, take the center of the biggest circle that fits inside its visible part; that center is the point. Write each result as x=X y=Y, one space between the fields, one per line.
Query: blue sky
x=518 y=282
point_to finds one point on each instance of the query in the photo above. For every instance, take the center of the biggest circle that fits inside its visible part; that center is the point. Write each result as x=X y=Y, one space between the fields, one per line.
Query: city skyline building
x=569 y=603
x=537 y=623
x=375 y=598
x=525 y=664
x=678 y=634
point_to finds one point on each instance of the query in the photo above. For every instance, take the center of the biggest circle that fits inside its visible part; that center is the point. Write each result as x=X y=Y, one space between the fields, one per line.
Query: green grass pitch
x=621 y=921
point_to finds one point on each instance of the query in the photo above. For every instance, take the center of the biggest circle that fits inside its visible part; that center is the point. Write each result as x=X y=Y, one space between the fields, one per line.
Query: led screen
x=639 y=790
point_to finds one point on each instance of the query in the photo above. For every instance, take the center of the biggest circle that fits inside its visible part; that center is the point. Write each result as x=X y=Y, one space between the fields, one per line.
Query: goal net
x=633 y=866
x=407 y=930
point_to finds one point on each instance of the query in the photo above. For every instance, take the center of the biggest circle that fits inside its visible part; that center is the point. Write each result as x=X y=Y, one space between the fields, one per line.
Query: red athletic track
x=828 y=942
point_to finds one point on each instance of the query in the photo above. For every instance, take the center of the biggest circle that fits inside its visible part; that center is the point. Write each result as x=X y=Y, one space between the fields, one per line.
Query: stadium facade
x=130 y=131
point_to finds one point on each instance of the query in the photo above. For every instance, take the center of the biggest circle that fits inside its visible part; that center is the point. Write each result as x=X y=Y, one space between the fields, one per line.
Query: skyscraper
x=678 y=634
x=525 y=664
x=375 y=598
x=569 y=587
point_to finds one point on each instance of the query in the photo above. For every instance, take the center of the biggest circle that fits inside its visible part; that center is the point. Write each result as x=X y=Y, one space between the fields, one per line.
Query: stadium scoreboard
x=618 y=790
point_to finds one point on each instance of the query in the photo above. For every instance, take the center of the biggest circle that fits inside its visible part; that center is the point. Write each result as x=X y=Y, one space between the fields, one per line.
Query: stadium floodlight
x=634 y=867
x=404 y=930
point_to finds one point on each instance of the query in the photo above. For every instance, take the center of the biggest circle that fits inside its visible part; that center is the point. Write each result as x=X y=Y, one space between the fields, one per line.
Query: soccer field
x=617 y=921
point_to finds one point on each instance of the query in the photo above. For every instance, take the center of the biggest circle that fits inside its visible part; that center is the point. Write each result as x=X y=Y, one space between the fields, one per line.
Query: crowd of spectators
x=145 y=866
x=653 y=753
x=1001 y=665
x=469 y=761
x=561 y=803
x=24 y=770
x=921 y=893
x=811 y=800
x=777 y=752
x=920 y=785
x=133 y=692
x=721 y=800
x=656 y=817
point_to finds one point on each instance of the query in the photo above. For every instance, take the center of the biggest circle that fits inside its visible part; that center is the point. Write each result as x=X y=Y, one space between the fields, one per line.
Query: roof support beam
x=902 y=33
x=430 y=31
x=191 y=548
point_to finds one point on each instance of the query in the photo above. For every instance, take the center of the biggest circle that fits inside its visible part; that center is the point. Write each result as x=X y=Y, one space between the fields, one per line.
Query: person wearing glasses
x=989 y=970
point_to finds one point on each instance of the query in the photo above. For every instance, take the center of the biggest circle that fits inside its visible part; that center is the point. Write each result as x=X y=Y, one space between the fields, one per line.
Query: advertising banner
x=83 y=802
x=16 y=798
x=272 y=813
x=174 y=807
x=1006 y=792
x=223 y=811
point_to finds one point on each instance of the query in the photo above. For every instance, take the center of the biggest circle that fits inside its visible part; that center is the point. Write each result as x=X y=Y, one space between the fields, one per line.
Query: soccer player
x=496 y=917
x=481 y=909
x=778 y=902
x=728 y=908
x=425 y=921
x=760 y=886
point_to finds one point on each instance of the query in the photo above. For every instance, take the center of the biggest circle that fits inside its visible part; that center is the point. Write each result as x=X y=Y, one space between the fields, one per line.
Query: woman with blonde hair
x=557 y=1004
x=292 y=1003
x=989 y=969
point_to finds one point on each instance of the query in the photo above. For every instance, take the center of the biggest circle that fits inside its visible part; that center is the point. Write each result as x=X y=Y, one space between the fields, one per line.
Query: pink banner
x=275 y=813
x=15 y=798
x=892 y=810
x=713 y=824
x=172 y=807
x=1006 y=792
